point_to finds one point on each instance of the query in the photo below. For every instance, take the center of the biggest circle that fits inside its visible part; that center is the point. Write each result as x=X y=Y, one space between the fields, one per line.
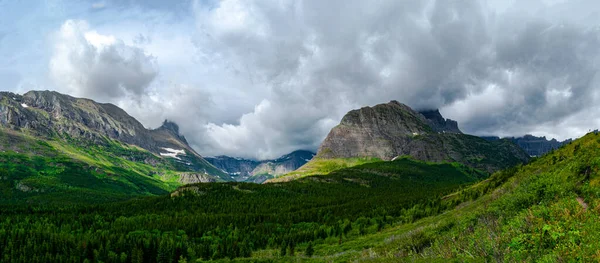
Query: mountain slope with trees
x=232 y=220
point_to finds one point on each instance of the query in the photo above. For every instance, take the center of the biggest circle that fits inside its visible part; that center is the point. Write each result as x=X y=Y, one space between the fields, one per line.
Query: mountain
x=245 y=170
x=45 y=133
x=545 y=211
x=387 y=211
x=438 y=123
x=387 y=131
x=534 y=146
x=49 y=114
x=64 y=192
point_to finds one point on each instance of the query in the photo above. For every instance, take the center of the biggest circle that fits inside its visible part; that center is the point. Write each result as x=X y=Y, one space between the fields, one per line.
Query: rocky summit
x=439 y=123
x=392 y=130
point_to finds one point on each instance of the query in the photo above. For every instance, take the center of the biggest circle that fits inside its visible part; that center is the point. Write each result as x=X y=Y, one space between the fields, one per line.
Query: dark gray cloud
x=260 y=78
x=498 y=73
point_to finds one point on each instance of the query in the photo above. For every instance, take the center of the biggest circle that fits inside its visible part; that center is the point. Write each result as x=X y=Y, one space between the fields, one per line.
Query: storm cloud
x=506 y=73
x=260 y=78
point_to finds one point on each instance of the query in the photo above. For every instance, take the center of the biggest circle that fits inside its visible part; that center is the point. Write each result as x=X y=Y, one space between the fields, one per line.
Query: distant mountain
x=245 y=170
x=49 y=115
x=387 y=131
x=534 y=146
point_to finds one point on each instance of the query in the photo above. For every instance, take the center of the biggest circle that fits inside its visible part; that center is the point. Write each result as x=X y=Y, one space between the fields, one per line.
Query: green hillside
x=233 y=220
x=546 y=211
x=36 y=170
x=321 y=166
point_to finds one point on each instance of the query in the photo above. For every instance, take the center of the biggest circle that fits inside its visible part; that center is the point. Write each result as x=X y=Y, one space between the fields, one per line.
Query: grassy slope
x=322 y=166
x=59 y=171
x=532 y=213
x=484 y=155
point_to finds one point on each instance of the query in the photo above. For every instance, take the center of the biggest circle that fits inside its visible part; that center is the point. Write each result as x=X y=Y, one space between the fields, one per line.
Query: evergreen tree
x=283 y=248
x=310 y=251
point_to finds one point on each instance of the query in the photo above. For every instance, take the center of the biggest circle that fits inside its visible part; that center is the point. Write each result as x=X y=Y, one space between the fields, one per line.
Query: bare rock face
x=374 y=131
x=193 y=178
x=439 y=123
x=393 y=129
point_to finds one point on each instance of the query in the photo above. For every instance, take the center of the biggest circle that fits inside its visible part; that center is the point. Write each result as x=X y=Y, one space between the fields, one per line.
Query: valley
x=74 y=192
x=233 y=131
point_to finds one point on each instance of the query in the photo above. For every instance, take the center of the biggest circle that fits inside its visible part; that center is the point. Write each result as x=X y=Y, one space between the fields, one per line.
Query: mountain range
x=383 y=132
x=534 y=146
x=246 y=170
x=49 y=114
x=388 y=184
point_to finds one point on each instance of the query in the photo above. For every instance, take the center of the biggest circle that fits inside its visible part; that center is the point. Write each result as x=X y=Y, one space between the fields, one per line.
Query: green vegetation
x=323 y=166
x=275 y=221
x=476 y=152
x=34 y=170
x=546 y=211
x=71 y=203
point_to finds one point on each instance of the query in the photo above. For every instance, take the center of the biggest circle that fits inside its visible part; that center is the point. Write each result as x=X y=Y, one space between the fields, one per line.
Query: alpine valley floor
x=404 y=210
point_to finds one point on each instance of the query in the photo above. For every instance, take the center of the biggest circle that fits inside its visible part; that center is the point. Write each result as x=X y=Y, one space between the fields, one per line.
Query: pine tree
x=310 y=251
x=283 y=248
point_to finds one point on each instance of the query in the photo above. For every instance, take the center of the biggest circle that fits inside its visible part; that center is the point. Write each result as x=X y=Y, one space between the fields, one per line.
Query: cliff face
x=439 y=123
x=374 y=131
x=390 y=130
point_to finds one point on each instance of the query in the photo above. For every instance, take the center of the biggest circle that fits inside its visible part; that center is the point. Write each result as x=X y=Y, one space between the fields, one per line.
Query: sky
x=261 y=78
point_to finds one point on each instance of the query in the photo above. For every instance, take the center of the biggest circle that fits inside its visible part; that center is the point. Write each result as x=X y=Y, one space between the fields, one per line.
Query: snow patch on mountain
x=172 y=153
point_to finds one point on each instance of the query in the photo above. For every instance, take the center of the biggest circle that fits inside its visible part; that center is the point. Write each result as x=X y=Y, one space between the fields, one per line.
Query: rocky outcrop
x=439 y=123
x=390 y=130
x=193 y=178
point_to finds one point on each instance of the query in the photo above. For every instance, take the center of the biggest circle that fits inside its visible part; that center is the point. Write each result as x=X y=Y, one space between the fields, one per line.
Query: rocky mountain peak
x=440 y=124
x=171 y=126
x=173 y=129
x=393 y=129
x=393 y=117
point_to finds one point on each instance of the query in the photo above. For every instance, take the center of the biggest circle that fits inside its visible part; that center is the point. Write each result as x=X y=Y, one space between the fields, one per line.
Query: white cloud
x=260 y=78
x=86 y=63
